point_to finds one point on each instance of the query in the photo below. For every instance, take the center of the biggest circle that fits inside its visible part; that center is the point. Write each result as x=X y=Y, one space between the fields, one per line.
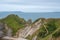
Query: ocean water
x=32 y=15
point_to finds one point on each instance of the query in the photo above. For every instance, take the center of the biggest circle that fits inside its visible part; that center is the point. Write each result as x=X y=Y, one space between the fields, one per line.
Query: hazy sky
x=30 y=5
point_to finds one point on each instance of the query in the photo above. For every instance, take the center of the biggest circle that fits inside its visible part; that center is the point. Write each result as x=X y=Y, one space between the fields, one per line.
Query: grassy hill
x=50 y=29
x=14 y=22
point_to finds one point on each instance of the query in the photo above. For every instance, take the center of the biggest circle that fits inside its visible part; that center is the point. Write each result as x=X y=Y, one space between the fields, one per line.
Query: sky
x=30 y=5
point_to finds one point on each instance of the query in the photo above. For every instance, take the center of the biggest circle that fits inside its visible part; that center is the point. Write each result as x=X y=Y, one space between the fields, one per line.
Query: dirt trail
x=28 y=30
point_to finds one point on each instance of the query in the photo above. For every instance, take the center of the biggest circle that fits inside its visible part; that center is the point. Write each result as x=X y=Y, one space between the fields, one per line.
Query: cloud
x=27 y=8
x=30 y=2
x=29 y=5
x=9 y=0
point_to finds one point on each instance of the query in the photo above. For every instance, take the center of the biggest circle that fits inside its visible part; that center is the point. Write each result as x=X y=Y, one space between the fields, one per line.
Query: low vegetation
x=49 y=28
x=14 y=22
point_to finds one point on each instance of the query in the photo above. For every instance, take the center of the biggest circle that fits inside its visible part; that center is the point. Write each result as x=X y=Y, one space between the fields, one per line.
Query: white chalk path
x=29 y=30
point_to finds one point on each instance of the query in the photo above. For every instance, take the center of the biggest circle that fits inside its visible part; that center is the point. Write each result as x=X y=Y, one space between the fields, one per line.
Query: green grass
x=14 y=22
x=53 y=27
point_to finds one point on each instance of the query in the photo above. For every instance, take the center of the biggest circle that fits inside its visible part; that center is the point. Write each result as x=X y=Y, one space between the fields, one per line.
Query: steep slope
x=14 y=22
x=49 y=30
x=40 y=29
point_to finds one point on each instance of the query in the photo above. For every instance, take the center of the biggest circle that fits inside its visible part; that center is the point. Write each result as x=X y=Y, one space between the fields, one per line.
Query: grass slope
x=14 y=22
x=53 y=27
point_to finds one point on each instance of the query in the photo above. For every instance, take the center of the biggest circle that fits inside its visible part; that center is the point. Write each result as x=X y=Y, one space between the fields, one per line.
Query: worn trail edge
x=23 y=33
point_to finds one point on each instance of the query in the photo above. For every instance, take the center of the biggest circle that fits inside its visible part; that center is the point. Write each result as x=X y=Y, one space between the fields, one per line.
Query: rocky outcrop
x=2 y=28
x=8 y=31
x=5 y=30
x=29 y=21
